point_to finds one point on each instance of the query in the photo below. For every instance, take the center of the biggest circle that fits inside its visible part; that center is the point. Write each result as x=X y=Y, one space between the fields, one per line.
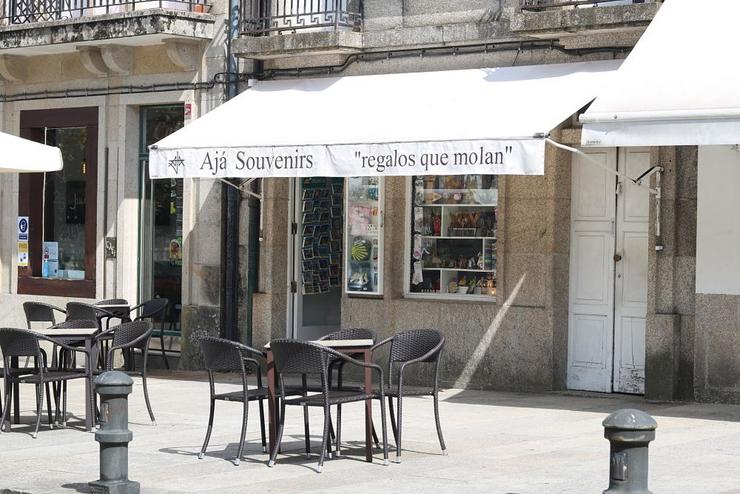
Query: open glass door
x=161 y=225
x=318 y=213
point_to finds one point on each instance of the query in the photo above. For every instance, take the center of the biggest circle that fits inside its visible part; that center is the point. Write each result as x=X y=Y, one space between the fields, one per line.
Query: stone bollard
x=113 y=435
x=629 y=432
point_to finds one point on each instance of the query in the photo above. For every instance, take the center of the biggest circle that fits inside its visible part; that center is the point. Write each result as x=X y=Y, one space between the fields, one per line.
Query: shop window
x=61 y=206
x=453 y=236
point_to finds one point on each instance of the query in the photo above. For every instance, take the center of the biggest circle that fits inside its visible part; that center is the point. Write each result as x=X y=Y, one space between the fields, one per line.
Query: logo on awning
x=176 y=162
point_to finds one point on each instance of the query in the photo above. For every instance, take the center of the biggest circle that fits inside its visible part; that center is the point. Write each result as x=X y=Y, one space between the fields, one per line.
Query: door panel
x=591 y=323
x=630 y=297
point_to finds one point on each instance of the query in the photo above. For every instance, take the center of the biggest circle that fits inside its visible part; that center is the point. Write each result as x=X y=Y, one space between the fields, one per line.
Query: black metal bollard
x=629 y=431
x=113 y=435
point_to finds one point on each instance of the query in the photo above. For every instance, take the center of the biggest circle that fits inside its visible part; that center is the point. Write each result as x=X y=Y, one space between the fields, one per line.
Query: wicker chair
x=80 y=311
x=229 y=356
x=126 y=337
x=346 y=334
x=41 y=312
x=294 y=357
x=25 y=343
x=408 y=348
x=154 y=310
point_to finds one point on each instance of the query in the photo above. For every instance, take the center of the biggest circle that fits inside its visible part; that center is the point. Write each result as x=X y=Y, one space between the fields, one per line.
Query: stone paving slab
x=498 y=442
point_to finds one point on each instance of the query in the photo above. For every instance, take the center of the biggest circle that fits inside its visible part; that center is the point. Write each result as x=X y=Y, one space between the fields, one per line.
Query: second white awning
x=482 y=121
x=679 y=86
x=18 y=155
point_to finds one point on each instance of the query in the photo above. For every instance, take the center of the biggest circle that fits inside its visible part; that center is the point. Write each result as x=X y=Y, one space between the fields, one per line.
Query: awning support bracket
x=637 y=182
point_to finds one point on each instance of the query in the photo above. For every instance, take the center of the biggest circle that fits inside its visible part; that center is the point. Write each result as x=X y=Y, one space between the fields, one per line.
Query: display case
x=453 y=236
x=364 y=236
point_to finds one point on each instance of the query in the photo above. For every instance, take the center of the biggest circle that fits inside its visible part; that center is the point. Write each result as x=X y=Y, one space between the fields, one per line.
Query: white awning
x=19 y=155
x=679 y=86
x=453 y=122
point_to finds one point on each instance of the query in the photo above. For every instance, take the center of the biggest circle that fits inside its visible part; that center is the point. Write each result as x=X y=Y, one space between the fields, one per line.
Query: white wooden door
x=630 y=286
x=608 y=274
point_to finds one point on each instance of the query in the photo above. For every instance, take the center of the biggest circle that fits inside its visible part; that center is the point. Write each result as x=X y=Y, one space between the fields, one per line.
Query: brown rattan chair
x=25 y=343
x=154 y=310
x=41 y=313
x=129 y=336
x=417 y=346
x=294 y=357
x=229 y=356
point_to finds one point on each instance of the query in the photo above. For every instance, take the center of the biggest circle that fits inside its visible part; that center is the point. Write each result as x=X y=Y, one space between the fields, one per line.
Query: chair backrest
x=299 y=357
x=350 y=334
x=221 y=355
x=76 y=324
x=153 y=309
x=412 y=344
x=19 y=343
x=79 y=311
x=40 y=312
x=126 y=334
x=112 y=301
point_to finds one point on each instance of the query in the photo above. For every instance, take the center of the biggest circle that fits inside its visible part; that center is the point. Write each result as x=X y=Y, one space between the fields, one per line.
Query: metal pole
x=113 y=435
x=230 y=198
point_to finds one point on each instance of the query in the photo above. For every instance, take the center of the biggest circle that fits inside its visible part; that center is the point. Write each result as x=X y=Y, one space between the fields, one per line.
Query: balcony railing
x=29 y=11
x=291 y=16
x=540 y=5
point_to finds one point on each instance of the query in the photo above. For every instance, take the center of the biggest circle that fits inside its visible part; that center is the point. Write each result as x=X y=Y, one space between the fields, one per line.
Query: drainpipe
x=230 y=198
x=253 y=249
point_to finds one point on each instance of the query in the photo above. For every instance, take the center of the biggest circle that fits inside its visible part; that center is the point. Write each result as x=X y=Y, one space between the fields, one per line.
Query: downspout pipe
x=230 y=199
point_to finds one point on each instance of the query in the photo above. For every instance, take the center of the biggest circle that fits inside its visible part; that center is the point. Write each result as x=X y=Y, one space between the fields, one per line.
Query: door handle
x=617 y=257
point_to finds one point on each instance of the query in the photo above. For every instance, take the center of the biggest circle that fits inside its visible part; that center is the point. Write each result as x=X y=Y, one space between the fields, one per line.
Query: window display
x=453 y=228
x=364 y=236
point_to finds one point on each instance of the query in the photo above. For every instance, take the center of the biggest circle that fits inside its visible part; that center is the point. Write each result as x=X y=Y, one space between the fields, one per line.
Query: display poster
x=22 y=241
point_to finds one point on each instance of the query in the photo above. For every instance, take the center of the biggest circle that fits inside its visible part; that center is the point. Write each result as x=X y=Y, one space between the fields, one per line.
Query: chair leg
x=39 y=408
x=48 y=406
x=399 y=427
x=208 y=430
x=164 y=354
x=245 y=414
x=339 y=431
x=281 y=425
x=385 y=431
x=146 y=397
x=325 y=436
x=375 y=434
x=6 y=407
x=393 y=419
x=439 y=427
x=306 y=433
x=64 y=404
x=262 y=425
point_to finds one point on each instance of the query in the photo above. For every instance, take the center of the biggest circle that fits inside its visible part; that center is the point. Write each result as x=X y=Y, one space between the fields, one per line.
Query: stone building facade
x=520 y=340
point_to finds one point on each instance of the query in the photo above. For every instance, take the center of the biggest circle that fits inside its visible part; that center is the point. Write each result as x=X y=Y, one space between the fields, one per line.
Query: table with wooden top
x=349 y=347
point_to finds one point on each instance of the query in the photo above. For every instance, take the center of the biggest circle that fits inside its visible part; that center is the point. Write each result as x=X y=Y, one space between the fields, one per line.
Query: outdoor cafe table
x=70 y=336
x=349 y=347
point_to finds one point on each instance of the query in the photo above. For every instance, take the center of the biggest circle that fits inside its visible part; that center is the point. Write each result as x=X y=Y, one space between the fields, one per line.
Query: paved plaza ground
x=498 y=443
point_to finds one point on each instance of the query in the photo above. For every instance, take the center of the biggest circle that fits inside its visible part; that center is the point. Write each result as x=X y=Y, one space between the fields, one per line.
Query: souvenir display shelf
x=364 y=236
x=454 y=236
x=321 y=245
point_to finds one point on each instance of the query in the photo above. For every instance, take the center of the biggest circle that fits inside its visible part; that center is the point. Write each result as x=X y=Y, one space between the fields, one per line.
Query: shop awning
x=679 y=86
x=451 y=122
x=19 y=155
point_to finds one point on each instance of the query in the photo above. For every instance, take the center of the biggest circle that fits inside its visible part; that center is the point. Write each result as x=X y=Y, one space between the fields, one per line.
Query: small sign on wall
x=22 y=241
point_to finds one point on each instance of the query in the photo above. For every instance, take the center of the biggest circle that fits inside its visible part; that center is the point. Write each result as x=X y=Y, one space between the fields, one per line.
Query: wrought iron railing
x=262 y=17
x=29 y=11
x=539 y=5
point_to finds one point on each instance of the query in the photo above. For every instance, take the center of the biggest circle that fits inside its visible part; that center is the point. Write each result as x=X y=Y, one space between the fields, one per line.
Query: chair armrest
x=367 y=365
x=133 y=342
x=380 y=344
x=104 y=334
x=250 y=351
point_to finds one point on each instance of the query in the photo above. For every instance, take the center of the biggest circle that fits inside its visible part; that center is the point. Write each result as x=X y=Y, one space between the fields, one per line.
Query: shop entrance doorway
x=161 y=226
x=316 y=257
x=608 y=273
